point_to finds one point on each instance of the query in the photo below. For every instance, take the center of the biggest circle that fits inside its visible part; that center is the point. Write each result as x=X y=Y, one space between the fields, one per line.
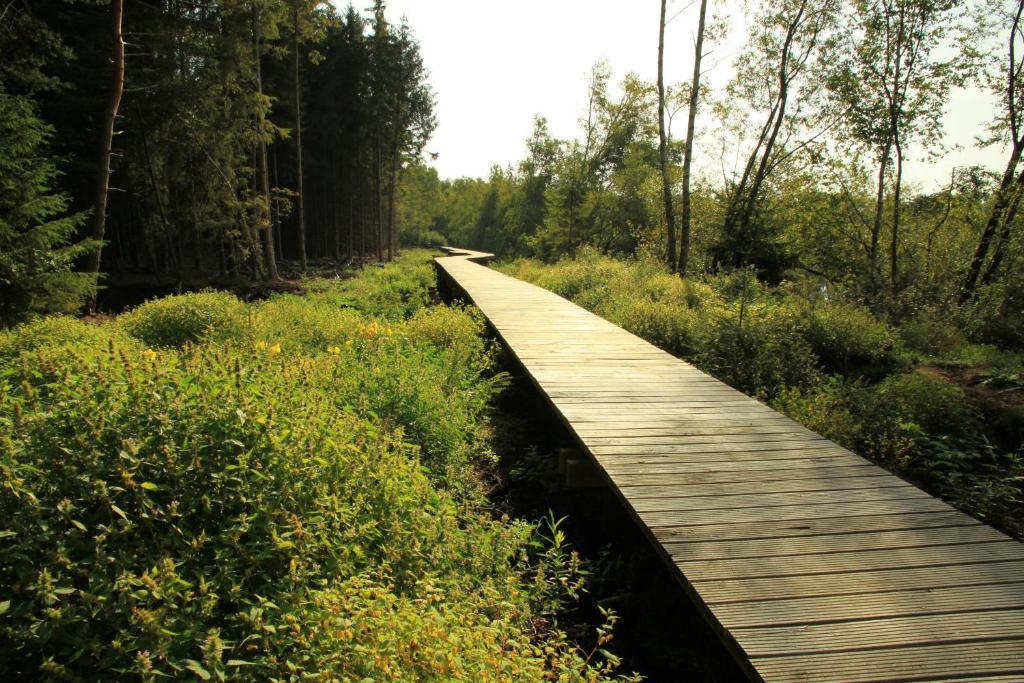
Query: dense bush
x=186 y=318
x=275 y=505
x=932 y=334
x=61 y=332
x=760 y=354
x=389 y=292
x=996 y=314
x=850 y=341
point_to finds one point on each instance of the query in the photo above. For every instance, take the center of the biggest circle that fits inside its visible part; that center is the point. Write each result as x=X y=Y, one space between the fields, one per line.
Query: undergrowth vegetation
x=833 y=366
x=285 y=490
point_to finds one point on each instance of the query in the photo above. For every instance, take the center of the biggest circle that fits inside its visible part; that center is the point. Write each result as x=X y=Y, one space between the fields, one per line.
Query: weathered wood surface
x=812 y=563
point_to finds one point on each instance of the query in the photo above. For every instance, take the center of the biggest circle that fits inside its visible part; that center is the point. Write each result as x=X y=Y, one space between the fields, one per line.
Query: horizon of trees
x=241 y=133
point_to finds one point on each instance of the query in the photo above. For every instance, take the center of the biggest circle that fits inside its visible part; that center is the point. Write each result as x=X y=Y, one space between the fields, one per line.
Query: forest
x=177 y=141
x=243 y=434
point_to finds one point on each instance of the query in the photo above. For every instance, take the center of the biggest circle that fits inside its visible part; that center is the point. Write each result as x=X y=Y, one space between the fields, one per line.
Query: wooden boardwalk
x=812 y=563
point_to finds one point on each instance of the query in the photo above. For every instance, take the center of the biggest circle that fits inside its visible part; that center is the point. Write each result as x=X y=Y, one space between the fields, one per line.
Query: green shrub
x=996 y=313
x=60 y=332
x=260 y=511
x=393 y=291
x=934 y=405
x=932 y=334
x=762 y=354
x=177 y=491
x=850 y=341
x=186 y=318
x=310 y=323
x=666 y=325
x=824 y=408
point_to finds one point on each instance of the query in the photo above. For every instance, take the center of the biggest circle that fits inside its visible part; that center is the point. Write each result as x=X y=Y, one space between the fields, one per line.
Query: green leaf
x=79 y=525
x=149 y=486
x=4 y=606
x=119 y=511
x=197 y=668
x=239 y=662
x=6 y=534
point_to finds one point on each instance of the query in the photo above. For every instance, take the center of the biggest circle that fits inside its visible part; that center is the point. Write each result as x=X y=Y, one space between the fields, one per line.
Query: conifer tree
x=37 y=250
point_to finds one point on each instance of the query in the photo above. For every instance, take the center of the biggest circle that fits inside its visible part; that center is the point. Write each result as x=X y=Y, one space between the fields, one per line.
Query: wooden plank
x=839 y=608
x=833 y=543
x=845 y=562
x=703 y=455
x=879 y=582
x=927 y=662
x=723 y=439
x=736 y=488
x=873 y=634
x=685 y=468
x=678 y=429
x=686 y=504
x=655 y=520
x=767 y=477
x=726 y=449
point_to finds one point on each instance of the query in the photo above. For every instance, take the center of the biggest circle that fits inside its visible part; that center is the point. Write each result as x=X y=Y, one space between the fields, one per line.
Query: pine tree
x=36 y=252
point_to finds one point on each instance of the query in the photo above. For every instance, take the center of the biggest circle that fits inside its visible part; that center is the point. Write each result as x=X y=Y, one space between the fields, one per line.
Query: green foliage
x=931 y=334
x=64 y=333
x=36 y=248
x=186 y=319
x=849 y=340
x=922 y=427
x=930 y=403
x=996 y=313
x=285 y=495
x=760 y=353
x=389 y=292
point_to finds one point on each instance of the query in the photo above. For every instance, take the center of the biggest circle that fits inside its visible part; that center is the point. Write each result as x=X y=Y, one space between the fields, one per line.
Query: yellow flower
x=149 y=354
x=274 y=350
x=334 y=350
x=348 y=343
x=259 y=419
x=260 y=345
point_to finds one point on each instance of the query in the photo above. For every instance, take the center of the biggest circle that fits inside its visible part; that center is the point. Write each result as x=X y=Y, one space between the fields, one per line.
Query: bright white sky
x=496 y=64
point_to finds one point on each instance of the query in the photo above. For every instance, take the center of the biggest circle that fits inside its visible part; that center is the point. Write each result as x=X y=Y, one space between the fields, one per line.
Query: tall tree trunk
x=746 y=197
x=1003 y=241
x=666 y=182
x=995 y=218
x=267 y=227
x=351 y=227
x=392 y=233
x=275 y=212
x=378 y=194
x=99 y=215
x=876 y=226
x=691 y=121
x=298 y=145
x=894 y=271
